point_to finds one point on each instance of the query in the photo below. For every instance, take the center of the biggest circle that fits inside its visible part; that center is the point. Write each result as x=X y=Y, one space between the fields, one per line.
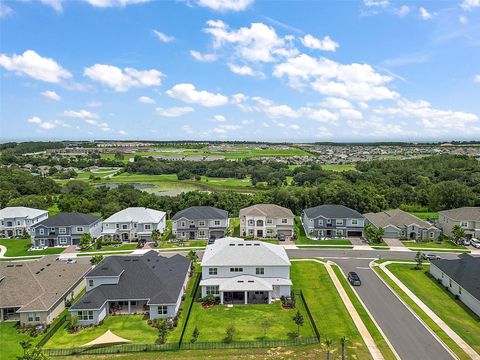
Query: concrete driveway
x=394 y=243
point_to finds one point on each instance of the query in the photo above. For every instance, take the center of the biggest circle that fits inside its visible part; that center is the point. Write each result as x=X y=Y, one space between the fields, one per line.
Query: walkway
x=452 y=334
x=395 y=243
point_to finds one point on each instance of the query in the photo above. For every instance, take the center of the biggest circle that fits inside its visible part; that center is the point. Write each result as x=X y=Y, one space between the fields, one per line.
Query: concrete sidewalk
x=452 y=334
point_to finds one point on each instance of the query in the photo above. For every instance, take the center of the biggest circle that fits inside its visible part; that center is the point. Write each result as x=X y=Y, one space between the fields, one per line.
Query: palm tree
x=328 y=343
x=458 y=233
x=343 y=341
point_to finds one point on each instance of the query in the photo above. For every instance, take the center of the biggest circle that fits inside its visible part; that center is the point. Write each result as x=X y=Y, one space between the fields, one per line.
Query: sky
x=296 y=71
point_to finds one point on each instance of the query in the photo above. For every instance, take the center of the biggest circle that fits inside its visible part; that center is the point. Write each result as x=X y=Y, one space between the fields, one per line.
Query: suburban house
x=35 y=292
x=15 y=220
x=200 y=222
x=399 y=224
x=65 y=229
x=467 y=217
x=330 y=221
x=266 y=221
x=461 y=277
x=245 y=271
x=149 y=284
x=134 y=223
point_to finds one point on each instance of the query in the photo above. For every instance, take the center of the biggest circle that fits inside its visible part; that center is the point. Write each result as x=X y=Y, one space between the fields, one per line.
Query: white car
x=71 y=261
x=37 y=248
x=475 y=243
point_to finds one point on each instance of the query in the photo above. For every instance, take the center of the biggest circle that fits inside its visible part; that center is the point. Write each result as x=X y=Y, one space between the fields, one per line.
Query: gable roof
x=137 y=214
x=396 y=217
x=270 y=210
x=201 y=213
x=20 y=212
x=231 y=251
x=157 y=278
x=68 y=219
x=464 y=271
x=37 y=285
x=332 y=211
x=463 y=213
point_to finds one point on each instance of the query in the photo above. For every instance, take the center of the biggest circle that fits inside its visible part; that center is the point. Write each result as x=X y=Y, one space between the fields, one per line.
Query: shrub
x=209 y=300
x=195 y=335
x=229 y=331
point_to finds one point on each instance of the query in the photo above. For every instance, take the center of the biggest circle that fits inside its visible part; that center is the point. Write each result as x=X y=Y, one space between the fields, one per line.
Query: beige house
x=35 y=292
x=467 y=217
x=266 y=221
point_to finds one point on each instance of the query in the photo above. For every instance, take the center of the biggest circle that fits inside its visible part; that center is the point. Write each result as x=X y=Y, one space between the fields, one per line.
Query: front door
x=192 y=235
x=51 y=242
x=125 y=237
x=259 y=233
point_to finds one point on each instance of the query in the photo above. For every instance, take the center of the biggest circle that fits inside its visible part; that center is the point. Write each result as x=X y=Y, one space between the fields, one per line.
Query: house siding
x=200 y=229
x=322 y=227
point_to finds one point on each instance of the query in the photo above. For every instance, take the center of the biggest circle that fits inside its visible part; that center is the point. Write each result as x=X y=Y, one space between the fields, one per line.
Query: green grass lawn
x=339 y=167
x=446 y=244
x=167 y=244
x=462 y=320
x=19 y=247
x=130 y=327
x=302 y=238
x=235 y=227
x=131 y=246
x=247 y=320
x=10 y=340
x=425 y=215
x=327 y=308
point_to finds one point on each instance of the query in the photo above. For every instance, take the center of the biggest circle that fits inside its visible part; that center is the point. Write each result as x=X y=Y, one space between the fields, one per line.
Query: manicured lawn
x=462 y=320
x=130 y=327
x=247 y=320
x=192 y=243
x=10 y=340
x=434 y=245
x=19 y=247
x=235 y=227
x=327 y=308
x=425 y=215
x=302 y=238
x=338 y=167
x=132 y=246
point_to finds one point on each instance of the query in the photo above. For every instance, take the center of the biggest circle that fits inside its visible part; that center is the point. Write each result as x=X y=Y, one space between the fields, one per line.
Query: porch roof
x=109 y=231
x=245 y=283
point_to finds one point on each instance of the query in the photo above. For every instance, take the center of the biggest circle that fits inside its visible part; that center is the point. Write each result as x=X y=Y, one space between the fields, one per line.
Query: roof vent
x=250 y=281
x=240 y=244
x=256 y=244
x=248 y=244
x=10 y=265
x=240 y=281
x=231 y=244
x=18 y=265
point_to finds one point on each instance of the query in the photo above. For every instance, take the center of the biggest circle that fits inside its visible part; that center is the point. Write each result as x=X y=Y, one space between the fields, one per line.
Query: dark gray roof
x=69 y=218
x=201 y=213
x=150 y=276
x=332 y=211
x=464 y=271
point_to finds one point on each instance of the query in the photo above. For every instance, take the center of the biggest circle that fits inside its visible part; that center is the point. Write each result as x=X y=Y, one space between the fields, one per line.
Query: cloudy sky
x=240 y=69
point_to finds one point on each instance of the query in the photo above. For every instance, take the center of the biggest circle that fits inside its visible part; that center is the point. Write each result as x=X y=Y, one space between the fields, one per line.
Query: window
x=464 y=224
x=147 y=226
x=459 y=290
x=269 y=231
x=251 y=222
x=320 y=222
x=236 y=269
x=62 y=230
x=18 y=222
x=90 y=282
x=124 y=226
x=260 y=271
x=118 y=226
x=63 y=241
x=133 y=303
x=450 y=283
x=354 y=221
x=212 y=271
x=41 y=231
x=85 y=315
x=329 y=221
x=270 y=221
x=339 y=232
x=80 y=229
x=212 y=290
x=432 y=234
x=284 y=221
x=52 y=229
x=183 y=223
x=339 y=222
x=217 y=222
x=33 y=317
x=163 y=310
x=201 y=233
x=250 y=231
x=135 y=225
x=201 y=223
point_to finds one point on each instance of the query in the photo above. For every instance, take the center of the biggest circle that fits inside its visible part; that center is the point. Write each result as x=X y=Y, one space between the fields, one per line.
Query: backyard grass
x=367 y=320
x=426 y=319
x=192 y=243
x=247 y=319
x=425 y=215
x=328 y=310
x=461 y=319
x=446 y=244
x=302 y=238
x=10 y=340
x=130 y=327
x=19 y=247
x=234 y=227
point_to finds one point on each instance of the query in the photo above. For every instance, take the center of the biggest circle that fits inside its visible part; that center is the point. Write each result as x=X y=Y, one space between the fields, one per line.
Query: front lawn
x=19 y=247
x=446 y=244
x=327 y=308
x=302 y=238
x=130 y=327
x=234 y=227
x=247 y=319
x=462 y=320
x=10 y=340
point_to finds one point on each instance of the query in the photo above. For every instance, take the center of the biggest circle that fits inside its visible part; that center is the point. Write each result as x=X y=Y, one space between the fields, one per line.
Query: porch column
x=221 y=297
x=1 y=314
x=269 y=297
x=129 y=307
x=246 y=297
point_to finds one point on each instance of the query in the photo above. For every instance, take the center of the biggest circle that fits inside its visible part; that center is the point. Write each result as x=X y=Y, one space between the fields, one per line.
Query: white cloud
x=203 y=57
x=174 y=111
x=381 y=3
x=5 y=10
x=336 y=103
x=146 y=100
x=424 y=14
x=114 y=3
x=222 y=129
x=102 y=125
x=163 y=37
x=46 y=125
x=52 y=95
x=463 y=19
x=54 y=4
x=403 y=10
x=351 y=114
x=225 y=5
x=326 y=44
x=470 y=4
x=122 y=80
x=245 y=70
x=219 y=118
x=94 y=104
x=476 y=78
x=321 y=115
x=122 y=132
x=35 y=66
x=187 y=93
x=188 y=129
x=81 y=114
x=257 y=43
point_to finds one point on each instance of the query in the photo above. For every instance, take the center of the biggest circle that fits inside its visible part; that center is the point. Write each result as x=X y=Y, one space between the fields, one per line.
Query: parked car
x=37 y=248
x=475 y=243
x=354 y=279
x=281 y=237
x=71 y=261
x=429 y=256
x=466 y=242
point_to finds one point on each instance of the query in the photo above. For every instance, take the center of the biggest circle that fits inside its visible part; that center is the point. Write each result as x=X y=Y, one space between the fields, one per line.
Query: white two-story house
x=245 y=271
x=15 y=220
x=467 y=217
x=134 y=223
x=266 y=221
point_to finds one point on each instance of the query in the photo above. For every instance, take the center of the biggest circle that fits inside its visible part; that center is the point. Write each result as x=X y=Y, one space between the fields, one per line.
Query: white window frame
x=216 y=222
x=41 y=242
x=259 y=271
x=147 y=227
x=85 y=315
x=41 y=231
x=339 y=222
x=91 y=282
x=270 y=221
x=236 y=269
x=213 y=271
x=201 y=223
x=62 y=230
x=284 y=221
x=354 y=221
x=162 y=309
x=212 y=290
x=464 y=224
x=63 y=240
x=80 y=229
x=201 y=233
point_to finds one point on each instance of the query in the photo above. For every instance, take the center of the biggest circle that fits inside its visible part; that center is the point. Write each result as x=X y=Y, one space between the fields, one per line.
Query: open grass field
x=447 y=244
x=327 y=308
x=10 y=340
x=339 y=167
x=19 y=247
x=462 y=320
x=425 y=215
x=302 y=238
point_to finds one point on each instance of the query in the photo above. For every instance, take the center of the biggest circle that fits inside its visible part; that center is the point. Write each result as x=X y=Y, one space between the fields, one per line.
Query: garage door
x=354 y=233
x=285 y=232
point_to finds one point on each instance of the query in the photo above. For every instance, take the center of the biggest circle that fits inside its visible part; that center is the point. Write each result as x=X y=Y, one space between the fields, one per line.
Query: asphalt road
x=410 y=339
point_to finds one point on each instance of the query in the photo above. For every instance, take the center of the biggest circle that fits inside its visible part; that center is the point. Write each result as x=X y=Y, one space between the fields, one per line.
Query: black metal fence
x=198 y=277
x=309 y=314
x=51 y=331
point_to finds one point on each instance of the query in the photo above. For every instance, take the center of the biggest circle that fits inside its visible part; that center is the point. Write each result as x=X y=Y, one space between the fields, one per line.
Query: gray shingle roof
x=69 y=218
x=150 y=276
x=332 y=212
x=201 y=213
x=269 y=210
x=464 y=271
x=464 y=213
x=396 y=217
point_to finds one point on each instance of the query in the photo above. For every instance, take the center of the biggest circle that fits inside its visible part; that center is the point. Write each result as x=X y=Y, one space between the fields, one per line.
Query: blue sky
x=240 y=70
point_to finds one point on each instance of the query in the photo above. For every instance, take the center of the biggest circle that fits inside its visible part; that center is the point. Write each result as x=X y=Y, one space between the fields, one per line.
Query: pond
x=162 y=189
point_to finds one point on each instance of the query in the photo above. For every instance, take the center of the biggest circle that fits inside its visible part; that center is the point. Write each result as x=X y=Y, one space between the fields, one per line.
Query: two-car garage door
x=354 y=234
